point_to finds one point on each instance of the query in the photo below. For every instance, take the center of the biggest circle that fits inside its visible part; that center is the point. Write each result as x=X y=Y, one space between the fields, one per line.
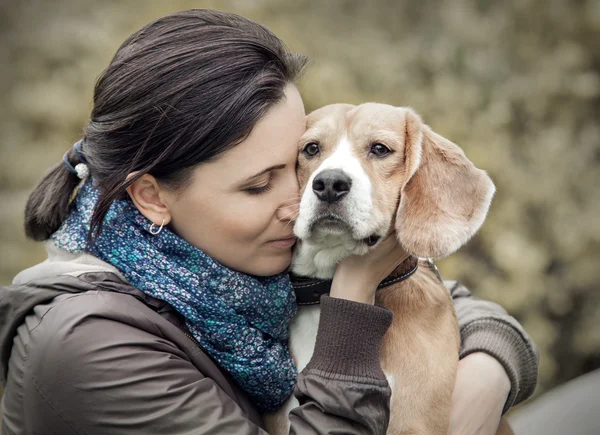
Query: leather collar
x=309 y=290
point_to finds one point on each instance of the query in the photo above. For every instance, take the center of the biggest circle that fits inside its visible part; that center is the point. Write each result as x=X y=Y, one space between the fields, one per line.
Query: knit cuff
x=349 y=338
x=500 y=340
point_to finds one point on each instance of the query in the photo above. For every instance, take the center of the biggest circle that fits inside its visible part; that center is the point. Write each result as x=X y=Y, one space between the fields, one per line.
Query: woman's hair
x=177 y=93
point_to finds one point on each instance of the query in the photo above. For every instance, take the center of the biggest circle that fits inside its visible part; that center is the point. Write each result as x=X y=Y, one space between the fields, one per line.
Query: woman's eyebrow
x=264 y=171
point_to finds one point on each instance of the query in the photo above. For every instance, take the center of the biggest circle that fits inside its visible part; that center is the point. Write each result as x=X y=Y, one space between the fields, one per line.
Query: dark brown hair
x=177 y=93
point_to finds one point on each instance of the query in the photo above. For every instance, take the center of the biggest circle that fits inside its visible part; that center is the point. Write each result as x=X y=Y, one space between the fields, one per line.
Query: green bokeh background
x=515 y=83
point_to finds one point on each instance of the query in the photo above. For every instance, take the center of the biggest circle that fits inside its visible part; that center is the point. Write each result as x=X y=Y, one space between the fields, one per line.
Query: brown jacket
x=83 y=352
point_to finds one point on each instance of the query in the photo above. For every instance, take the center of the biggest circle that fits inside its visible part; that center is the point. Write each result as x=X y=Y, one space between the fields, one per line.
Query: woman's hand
x=357 y=277
x=480 y=393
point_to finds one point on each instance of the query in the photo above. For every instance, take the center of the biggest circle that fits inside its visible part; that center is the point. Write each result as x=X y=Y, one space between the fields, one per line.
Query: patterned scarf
x=240 y=320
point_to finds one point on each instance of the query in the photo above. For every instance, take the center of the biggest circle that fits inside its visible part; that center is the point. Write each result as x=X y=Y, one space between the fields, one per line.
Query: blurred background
x=515 y=83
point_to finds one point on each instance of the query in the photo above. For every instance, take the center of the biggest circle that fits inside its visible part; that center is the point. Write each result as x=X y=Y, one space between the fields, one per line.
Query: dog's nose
x=331 y=185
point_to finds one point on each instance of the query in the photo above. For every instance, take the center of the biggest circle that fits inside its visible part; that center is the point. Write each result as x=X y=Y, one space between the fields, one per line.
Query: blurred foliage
x=515 y=83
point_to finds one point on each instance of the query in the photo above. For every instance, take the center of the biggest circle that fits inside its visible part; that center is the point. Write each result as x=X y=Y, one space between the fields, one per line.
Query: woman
x=164 y=304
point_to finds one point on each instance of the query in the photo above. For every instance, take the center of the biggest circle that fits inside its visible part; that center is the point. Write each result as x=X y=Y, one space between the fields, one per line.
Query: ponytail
x=48 y=204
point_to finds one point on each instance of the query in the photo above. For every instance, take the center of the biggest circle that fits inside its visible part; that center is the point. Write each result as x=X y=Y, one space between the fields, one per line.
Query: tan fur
x=436 y=200
x=420 y=350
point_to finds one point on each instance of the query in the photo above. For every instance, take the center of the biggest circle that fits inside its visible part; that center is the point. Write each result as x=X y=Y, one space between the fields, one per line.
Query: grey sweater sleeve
x=487 y=327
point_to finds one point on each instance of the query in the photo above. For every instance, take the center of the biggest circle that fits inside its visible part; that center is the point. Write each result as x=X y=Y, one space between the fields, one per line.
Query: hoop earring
x=155 y=232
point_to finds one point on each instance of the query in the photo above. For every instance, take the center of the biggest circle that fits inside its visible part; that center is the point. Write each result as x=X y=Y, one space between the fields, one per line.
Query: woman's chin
x=270 y=265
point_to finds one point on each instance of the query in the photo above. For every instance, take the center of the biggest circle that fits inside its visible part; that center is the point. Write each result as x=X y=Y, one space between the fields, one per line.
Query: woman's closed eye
x=261 y=188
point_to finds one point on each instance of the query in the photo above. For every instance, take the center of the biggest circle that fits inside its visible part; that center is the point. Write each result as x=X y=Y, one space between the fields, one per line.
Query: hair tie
x=82 y=170
x=79 y=152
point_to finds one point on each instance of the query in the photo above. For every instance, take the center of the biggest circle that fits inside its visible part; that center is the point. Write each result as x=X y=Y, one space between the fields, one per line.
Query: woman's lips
x=285 y=243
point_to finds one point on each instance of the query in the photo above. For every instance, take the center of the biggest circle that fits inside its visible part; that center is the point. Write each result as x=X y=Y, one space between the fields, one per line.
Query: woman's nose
x=290 y=205
x=288 y=210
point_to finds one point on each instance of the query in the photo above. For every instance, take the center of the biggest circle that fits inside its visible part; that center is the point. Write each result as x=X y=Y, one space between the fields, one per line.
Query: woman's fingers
x=357 y=277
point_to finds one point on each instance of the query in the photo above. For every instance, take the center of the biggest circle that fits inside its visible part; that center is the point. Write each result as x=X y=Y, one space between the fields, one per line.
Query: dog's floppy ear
x=444 y=198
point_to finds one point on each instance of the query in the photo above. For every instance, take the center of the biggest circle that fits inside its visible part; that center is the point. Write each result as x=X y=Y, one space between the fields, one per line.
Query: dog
x=365 y=171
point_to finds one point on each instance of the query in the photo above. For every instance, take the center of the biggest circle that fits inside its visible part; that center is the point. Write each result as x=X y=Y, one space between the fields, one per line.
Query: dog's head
x=366 y=169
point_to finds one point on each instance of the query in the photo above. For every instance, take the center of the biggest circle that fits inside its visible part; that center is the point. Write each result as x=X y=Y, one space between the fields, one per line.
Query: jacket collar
x=61 y=262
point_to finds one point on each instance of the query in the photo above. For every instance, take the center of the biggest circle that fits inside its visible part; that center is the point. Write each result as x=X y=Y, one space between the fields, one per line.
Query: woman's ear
x=444 y=199
x=148 y=196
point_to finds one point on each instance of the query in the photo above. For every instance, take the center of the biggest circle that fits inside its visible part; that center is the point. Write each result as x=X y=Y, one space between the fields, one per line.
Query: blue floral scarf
x=240 y=320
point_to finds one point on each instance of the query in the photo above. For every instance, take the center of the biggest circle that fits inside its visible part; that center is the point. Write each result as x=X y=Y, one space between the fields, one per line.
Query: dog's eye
x=380 y=150
x=311 y=149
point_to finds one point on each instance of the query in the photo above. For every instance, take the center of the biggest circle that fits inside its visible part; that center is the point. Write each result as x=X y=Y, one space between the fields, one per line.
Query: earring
x=155 y=232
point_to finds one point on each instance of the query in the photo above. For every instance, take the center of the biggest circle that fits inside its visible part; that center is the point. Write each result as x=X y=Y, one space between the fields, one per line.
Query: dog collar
x=309 y=290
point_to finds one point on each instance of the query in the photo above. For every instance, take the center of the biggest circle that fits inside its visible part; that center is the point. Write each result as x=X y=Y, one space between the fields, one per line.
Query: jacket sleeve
x=130 y=381
x=343 y=389
x=487 y=327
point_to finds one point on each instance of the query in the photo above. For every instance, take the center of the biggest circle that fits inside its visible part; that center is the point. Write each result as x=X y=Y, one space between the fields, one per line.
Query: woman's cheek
x=252 y=221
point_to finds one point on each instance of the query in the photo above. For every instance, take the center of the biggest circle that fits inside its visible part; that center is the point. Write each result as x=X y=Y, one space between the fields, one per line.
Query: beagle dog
x=365 y=171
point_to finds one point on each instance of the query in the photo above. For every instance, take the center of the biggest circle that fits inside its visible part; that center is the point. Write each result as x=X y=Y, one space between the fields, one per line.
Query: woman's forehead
x=273 y=140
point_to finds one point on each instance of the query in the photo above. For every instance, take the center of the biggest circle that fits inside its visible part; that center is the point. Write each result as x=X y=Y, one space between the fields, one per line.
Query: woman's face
x=239 y=208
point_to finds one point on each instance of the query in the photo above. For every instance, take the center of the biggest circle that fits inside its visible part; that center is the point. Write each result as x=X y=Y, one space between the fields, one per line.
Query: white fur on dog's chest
x=303 y=334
